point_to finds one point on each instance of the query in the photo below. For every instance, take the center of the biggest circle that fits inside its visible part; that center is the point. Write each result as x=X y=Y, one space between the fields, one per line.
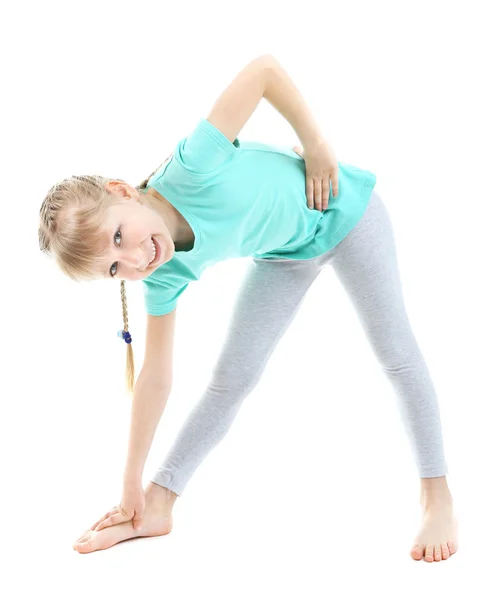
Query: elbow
x=268 y=60
x=268 y=63
x=156 y=380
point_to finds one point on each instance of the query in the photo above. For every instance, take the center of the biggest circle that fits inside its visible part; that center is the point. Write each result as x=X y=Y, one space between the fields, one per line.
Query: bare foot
x=437 y=539
x=157 y=521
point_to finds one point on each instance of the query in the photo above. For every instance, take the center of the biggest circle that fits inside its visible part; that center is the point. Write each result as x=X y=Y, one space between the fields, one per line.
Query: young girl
x=294 y=212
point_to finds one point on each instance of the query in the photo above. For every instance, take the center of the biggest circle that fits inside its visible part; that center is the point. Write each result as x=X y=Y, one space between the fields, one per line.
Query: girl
x=294 y=212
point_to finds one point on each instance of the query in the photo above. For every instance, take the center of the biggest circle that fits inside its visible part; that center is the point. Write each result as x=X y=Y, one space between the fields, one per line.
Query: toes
x=433 y=553
x=428 y=556
x=83 y=547
x=83 y=538
x=452 y=547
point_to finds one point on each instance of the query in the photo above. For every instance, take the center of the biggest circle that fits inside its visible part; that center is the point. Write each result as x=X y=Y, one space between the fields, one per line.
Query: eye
x=118 y=233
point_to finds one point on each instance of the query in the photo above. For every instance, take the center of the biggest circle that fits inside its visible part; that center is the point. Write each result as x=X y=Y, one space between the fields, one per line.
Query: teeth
x=154 y=251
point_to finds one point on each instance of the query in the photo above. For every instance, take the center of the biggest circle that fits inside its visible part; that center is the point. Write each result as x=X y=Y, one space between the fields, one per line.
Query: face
x=130 y=226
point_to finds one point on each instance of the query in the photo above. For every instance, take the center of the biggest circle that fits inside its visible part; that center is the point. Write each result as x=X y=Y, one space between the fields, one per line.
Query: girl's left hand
x=321 y=166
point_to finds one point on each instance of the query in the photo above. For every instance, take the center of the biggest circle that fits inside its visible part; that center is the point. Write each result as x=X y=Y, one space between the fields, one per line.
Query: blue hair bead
x=125 y=335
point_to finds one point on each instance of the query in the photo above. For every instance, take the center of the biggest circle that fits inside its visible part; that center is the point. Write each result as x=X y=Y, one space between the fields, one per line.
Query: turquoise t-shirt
x=246 y=199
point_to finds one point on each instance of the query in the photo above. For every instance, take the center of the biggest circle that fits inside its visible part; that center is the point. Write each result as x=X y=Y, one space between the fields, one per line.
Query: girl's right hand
x=131 y=507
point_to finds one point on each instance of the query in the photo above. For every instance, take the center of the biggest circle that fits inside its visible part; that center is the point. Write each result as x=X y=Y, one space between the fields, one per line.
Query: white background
x=313 y=492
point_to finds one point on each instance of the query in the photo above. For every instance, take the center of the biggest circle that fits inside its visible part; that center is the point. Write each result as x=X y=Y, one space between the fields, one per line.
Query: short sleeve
x=205 y=149
x=161 y=298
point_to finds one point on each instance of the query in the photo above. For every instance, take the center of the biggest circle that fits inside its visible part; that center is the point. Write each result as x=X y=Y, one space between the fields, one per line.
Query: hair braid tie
x=125 y=335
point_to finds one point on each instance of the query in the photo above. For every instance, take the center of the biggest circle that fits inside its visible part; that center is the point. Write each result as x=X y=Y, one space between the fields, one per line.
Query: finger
x=325 y=193
x=112 y=520
x=115 y=519
x=137 y=522
x=318 y=194
x=101 y=519
x=108 y=514
x=334 y=181
x=310 y=193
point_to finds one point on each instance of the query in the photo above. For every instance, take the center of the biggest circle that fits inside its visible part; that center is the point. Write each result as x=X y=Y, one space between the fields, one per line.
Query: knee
x=233 y=383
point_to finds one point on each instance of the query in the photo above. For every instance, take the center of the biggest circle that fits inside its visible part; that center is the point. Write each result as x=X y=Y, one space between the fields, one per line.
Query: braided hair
x=71 y=216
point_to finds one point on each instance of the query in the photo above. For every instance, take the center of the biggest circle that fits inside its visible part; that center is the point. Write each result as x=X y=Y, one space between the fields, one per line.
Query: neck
x=174 y=221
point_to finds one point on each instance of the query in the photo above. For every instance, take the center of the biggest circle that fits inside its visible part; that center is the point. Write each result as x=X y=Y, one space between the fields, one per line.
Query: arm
x=285 y=97
x=263 y=78
x=151 y=393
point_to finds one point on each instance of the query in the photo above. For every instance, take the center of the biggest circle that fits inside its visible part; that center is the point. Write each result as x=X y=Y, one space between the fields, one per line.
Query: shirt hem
x=159 y=312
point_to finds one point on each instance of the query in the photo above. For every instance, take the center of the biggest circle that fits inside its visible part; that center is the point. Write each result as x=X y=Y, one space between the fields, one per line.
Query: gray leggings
x=269 y=298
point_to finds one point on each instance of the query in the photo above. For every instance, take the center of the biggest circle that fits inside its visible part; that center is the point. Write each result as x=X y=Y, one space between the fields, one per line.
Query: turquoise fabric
x=246 y=199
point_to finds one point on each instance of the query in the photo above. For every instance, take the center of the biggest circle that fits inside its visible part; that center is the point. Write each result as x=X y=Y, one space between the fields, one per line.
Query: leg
x=269 y=298
x=366 y=264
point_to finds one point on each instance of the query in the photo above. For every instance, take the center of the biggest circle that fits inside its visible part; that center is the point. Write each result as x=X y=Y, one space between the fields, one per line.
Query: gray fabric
x=270 y=296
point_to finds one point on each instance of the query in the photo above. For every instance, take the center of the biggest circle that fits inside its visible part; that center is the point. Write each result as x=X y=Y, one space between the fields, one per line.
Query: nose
x=137 y=259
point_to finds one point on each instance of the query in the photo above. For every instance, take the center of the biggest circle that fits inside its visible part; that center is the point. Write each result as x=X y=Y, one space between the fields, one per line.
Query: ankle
x=160 y=494
x=435 y=493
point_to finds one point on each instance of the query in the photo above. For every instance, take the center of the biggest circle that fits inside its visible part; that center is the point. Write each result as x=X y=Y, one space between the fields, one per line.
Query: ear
x=118 y=188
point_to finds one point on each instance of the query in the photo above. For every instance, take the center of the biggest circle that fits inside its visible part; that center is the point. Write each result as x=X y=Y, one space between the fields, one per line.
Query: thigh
x=366 y=265
x=269 y=298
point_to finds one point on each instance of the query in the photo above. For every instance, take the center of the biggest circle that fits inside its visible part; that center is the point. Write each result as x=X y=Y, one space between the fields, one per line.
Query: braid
x=130 y=375
x=144 y=183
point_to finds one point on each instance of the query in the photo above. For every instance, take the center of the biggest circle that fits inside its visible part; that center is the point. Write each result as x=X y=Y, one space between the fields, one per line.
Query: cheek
x=136 y=276
x=127 y=273
x=171 y=248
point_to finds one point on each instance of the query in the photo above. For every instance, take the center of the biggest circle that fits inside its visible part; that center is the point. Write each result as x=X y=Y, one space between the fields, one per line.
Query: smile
x=156 y=253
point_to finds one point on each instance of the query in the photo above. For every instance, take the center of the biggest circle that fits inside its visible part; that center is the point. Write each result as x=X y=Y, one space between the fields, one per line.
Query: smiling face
x=131 y=226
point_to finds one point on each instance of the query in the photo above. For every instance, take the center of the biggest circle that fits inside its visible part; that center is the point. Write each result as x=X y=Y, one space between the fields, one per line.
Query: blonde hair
x=70 y=229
